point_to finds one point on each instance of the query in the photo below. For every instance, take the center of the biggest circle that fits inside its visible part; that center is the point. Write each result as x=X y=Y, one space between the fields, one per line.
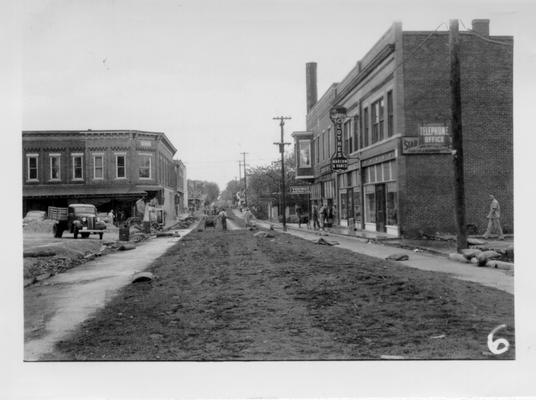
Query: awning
x=74 y=191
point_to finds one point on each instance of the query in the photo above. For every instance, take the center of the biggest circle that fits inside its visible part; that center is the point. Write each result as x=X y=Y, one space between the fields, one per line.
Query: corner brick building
x=111 y=169
x=397 y=133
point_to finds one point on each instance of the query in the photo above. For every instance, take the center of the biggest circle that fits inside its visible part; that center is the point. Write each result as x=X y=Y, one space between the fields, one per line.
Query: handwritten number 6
x=498 y=346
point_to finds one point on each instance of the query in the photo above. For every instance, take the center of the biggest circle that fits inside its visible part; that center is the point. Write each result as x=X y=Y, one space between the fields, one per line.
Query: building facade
x=397 y=138
x=182 y=187
x=111 y=169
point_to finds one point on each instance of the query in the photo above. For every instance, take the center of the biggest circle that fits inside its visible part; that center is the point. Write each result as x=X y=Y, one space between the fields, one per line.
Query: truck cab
x=81 y=219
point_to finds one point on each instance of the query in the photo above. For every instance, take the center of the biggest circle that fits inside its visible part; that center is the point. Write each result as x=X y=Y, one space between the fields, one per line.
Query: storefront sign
x=339 y=162
x=379 y=159
x=300 y=189
x=433 y=138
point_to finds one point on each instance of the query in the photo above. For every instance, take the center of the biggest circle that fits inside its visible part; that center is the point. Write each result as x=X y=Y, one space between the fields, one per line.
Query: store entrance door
x=380 y=208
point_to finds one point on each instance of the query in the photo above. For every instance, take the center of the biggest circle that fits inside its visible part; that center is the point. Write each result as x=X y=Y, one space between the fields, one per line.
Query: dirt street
x=234 y=296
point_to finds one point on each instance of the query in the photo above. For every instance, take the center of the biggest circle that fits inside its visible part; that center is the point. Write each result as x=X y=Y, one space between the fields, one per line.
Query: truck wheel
x=75 y=233
x=84 y=235
x=59 y=232
x=55 y=230
x=100 y=235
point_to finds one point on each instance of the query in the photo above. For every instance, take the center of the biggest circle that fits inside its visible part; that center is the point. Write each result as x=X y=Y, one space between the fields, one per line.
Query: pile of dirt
x=43 y=226
x=61 y=257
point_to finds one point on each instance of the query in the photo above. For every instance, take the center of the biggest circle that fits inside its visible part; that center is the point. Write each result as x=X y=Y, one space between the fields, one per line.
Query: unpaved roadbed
x=233 y=296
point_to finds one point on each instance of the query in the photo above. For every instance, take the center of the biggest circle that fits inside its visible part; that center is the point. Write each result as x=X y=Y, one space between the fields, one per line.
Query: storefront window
x=391 y=204
x=370 y=204
x=357 y=207
x=343 y=205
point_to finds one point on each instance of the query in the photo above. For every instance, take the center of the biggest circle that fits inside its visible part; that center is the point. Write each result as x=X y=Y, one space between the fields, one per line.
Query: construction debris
x=142 y=277
x=326 y=242
x=398 y=257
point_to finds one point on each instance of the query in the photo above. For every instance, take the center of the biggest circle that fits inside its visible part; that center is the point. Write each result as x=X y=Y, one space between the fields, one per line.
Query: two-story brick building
x=108 y=168
x=396 y=135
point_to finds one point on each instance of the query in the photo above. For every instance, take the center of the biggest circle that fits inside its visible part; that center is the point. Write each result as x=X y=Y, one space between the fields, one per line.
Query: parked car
x=77 y=219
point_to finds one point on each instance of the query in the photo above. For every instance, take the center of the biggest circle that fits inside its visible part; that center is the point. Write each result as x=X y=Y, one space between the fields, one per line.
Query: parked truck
x=78 y=219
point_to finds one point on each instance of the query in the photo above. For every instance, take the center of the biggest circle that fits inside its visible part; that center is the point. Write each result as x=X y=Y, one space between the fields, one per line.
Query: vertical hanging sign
x=338 y=162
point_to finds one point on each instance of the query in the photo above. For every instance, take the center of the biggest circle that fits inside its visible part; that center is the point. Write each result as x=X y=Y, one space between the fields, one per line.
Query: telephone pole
x=245 y=181
x=457 y=137
x=282 y=145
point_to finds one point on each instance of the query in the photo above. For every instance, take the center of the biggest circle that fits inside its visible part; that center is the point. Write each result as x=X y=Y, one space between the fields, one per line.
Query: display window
x=370 y=204
x=357 y=207
x=391 y=203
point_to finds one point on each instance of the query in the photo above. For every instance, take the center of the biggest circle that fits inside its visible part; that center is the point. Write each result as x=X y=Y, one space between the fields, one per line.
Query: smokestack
x=310 y=85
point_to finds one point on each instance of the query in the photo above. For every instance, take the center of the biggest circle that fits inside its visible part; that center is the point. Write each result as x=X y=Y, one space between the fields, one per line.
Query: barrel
x=124 y=234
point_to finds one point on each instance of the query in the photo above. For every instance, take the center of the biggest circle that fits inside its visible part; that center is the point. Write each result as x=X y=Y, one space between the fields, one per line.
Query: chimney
x=481 y=27
x=310 y=85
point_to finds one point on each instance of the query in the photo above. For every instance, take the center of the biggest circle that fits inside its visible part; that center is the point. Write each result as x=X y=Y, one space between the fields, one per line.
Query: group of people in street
x=321 y=217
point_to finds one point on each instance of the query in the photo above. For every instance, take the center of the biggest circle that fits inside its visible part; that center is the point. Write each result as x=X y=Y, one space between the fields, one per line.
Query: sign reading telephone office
x=432 y=138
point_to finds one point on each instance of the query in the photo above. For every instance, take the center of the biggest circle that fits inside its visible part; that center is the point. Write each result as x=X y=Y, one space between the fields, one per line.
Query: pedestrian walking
x=248 y=216
x=223 y=218
x=316 y=216
x=324 y=216
x=494 y=215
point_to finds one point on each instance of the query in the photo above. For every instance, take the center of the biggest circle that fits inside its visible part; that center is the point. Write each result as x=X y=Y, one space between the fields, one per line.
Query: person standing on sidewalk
x=324 y=216
x=494 y=216
x=247 y=217
x=315 y=216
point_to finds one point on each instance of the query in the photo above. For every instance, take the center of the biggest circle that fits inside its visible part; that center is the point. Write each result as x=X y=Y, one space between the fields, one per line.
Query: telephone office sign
x=432 y=138
x=338 y=162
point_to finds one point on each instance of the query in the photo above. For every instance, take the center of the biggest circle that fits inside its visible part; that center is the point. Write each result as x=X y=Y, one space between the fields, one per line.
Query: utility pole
x=282 y=145
x=245 y=181
x=239 y=171
x=457 y=137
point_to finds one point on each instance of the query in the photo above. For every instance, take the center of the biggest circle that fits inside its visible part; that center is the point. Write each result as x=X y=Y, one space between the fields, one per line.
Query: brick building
x=397 y=133
x=182 y=187
x=111 y=169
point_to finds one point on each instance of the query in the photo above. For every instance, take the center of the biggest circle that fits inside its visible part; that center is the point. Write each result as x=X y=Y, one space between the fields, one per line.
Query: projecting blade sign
x=338 y=162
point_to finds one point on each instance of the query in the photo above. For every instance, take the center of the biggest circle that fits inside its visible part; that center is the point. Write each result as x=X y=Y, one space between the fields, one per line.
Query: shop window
x=145 y=166
x=55 y=167
x=391 y=204
x=357 y=207
x=32 y=167
x=98 y=166
x=386 y=171
x=379 y=173
x=390 y=114
x=370 y=204
x=349 y=181
x=77 y=167
x=343 y=205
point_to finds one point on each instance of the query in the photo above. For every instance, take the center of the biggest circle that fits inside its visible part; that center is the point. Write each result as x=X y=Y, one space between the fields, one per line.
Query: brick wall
x=426 y=197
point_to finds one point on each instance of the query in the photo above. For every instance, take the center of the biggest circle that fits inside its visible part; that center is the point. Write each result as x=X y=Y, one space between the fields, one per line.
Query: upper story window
x=317 y=149
x=347 y=137
x=120 y=166
x=377 y=110
x=98 y=166
x=55 y=160
x=78 y=173
x=329 y=142
x=355 y=130
x=145 y=166
x=390 y=113
x=32 y=161
x=365 y=127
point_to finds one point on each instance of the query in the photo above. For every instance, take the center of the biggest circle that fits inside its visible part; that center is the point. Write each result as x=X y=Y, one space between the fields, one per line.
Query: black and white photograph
x=267 y=185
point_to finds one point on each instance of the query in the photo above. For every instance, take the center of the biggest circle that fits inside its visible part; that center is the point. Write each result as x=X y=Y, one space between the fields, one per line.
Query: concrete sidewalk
x=495 y=278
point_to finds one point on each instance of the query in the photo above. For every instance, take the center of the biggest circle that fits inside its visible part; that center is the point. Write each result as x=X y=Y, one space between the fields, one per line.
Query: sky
x=213 y=74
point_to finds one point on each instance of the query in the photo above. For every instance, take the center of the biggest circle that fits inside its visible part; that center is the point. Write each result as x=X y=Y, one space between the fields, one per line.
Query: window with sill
x=55 y=168
x=377 y=110
x=120 y=163
x=145 y=167
x=98 y=166
x=33 y=167
x=77 y=167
